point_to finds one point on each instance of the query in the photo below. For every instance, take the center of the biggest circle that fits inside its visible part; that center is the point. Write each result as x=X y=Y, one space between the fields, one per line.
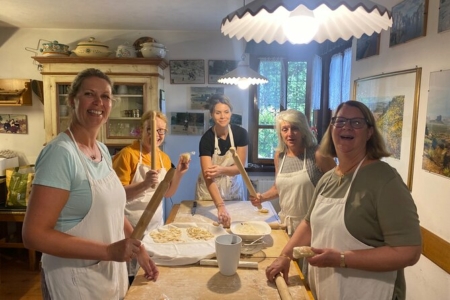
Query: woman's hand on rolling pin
x=213 y=172
x=123 y=250
x=151 y=178
x=147 y=264
x=256 y=201
x=280 y=265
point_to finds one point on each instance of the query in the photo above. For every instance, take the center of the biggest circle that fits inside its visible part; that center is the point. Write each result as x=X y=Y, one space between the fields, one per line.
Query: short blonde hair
x=375 y=146
x=297 y=119
x=148 y=114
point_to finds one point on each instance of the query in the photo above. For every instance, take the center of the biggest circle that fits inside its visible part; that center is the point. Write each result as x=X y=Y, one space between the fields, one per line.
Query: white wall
x=16 y=62
x=431 y=193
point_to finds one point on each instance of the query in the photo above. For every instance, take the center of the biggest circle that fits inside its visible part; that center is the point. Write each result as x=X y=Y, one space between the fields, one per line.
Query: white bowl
x=250 y=230
x=153 y=52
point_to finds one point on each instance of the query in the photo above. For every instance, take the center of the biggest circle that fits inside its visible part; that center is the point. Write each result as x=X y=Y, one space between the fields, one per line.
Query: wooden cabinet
x=137 y=82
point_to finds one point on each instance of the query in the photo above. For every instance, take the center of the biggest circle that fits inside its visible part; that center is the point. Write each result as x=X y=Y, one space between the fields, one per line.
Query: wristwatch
x=342 y=264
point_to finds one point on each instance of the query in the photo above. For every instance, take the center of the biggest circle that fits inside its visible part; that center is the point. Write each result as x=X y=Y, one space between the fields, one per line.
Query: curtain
x=316 y=82
x=335 y=79
x=277 y=83
x=346 y=73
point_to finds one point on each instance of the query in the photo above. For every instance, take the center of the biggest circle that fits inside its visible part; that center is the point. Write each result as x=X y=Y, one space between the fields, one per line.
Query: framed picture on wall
x=367 y=46
x=217 y=68
x=409 y=21
x=199 y=96
x=393 y=99
x=436 y=148
x=187 y=123
x=15 y=124
x=187 y=71
x=444 y=16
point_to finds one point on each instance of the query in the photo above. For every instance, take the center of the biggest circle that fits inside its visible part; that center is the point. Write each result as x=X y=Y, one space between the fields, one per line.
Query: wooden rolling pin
x=152 y=206
x=248 y=183
x=242 y=264
x=273 y=225
x=153 y=142
x=282 y=288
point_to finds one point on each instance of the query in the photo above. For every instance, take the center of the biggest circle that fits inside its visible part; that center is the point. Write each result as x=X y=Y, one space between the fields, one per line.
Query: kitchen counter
x=206 y=282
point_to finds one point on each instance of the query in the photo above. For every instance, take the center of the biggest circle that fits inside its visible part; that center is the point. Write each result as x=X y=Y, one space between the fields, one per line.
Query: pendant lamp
x=243 y=76
x=303 y=21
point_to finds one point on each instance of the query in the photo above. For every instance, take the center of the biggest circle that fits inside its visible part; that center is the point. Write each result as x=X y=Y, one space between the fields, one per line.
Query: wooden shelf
x=15 y=92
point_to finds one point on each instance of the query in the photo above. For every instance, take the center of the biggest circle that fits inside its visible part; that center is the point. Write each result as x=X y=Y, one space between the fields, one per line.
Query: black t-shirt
x=206 y=146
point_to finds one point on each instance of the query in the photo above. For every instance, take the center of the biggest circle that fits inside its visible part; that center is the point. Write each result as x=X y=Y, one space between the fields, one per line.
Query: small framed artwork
x=217 y=68
x=187 y=71
x=187 y=123
x=444 y=16
x=15 y=124
x=409 y=21
x=200 y=95
x=367 y=46
x=162 y=101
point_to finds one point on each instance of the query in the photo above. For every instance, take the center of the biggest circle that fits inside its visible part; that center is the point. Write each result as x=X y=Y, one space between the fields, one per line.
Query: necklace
x=342 y=173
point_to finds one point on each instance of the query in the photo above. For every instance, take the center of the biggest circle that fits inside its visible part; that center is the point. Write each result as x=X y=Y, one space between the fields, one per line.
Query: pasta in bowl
x=250 y=230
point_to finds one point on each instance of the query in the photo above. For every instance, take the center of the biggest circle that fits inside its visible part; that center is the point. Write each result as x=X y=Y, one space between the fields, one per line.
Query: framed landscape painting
x=436 y=148
x=409 y=21
x=393 y=99
x=444 y=15
x=187 y=123
x=187 y=71
x=200 y=95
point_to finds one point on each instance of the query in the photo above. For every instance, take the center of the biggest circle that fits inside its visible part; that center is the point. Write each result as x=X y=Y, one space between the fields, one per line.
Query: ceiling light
x=243 y=76
x=284 y=20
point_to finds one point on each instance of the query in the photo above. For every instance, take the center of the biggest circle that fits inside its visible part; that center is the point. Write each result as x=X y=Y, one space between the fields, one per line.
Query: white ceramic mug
x=228 y=252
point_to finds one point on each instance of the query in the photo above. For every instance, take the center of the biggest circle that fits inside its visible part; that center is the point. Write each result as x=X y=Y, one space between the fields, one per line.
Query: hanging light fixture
x=243 y=76
x=303 y=21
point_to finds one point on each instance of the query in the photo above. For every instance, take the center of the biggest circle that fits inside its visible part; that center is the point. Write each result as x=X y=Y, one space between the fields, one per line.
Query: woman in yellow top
x=132 y=165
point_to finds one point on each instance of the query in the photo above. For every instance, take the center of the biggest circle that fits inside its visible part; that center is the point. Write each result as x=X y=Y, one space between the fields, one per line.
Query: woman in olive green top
x=362 y=224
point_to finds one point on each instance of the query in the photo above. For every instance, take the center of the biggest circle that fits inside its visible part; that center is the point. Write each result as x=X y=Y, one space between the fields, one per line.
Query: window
x=287 y=88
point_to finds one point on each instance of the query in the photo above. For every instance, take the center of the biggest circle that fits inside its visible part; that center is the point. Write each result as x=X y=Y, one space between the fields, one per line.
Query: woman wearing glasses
x=132 y=166
x=362 y=225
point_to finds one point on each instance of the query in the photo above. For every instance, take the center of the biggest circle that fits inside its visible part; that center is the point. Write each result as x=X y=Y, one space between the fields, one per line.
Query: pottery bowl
x=150 y=52
x=54 y=47
x=92 y=48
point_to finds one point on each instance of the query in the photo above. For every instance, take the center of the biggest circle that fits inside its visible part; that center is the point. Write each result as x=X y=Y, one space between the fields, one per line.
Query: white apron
x=230 y=187
x=135 y=207
x=295 y=191
x=82 y=279
x=329 y=231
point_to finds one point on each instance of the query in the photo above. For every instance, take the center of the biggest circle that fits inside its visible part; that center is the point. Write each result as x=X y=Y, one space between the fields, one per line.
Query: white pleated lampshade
x=242 y=76
x=272 y=20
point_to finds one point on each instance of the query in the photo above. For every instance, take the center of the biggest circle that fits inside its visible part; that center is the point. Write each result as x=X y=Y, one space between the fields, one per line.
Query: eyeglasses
x=161 y=131
x=356 y=123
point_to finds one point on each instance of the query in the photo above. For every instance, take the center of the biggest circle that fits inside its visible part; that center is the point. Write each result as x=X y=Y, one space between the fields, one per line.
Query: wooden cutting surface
x=205 y=282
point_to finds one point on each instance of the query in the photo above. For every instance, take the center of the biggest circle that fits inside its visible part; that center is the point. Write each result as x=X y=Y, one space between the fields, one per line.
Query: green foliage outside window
x=274 y=96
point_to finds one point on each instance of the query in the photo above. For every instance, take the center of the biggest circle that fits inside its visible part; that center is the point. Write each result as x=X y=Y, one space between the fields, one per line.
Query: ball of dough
x=304 y=251
x=185 y=157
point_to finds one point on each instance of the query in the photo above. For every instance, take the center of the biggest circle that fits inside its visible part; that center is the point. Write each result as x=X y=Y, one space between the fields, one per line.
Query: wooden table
x=16 y=215
x=205 y=282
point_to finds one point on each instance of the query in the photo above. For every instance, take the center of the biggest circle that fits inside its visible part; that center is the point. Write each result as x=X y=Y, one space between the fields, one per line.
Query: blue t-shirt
x=59 y=166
